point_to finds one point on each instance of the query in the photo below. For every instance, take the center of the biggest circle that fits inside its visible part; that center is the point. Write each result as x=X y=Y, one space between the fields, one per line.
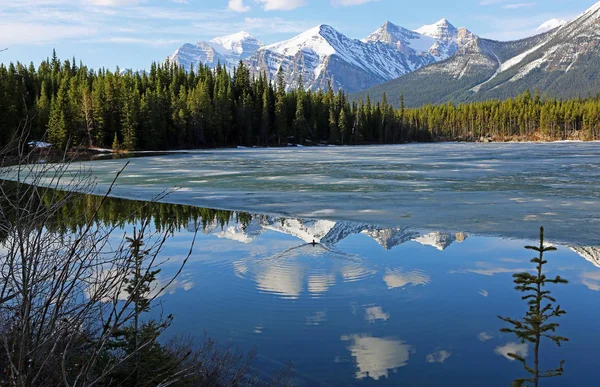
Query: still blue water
x=379 y=306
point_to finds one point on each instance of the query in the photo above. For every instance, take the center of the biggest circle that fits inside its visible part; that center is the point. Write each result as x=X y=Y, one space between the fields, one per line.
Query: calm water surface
x=372 y=305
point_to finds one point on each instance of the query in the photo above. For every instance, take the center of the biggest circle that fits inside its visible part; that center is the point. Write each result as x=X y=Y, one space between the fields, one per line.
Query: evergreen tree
x=280 y=108
x=300 y=125
x=537 y=323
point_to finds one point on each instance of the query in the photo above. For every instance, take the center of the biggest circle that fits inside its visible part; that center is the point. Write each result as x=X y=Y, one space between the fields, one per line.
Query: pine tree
x=116 y=146
x=300 y=125
x=280 y=108
x=537 y=323
x=333 y=126
x=130 y=120
x=265 y=121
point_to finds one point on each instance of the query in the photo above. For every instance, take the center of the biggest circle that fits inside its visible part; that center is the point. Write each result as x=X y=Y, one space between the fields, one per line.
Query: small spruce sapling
x=537 y=323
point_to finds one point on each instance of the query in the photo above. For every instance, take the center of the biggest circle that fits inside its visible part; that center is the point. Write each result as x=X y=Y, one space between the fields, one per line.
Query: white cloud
x=282 y=5
x=319 y=284
x=398 y=278
x=375 y=357
x=114 y=3
x=438 y=357
x=274 y=25
x=592 y=281
x=518 y=5
x=516 y=348
x=238 y=6
x=140 y=41
x=15 y=33
x=376 y=313
x=349 y=3
x=484 y=336
x=516 y=27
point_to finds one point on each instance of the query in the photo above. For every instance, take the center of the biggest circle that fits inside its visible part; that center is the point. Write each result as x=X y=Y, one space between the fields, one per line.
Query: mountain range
x=432 y=64
x=323 y=54
x=562 y=62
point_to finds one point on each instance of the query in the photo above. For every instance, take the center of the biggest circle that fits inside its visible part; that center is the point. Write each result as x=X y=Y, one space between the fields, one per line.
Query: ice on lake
x=504 y=190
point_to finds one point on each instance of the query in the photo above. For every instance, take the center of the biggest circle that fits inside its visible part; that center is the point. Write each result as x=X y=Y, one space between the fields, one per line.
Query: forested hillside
x=169 y=108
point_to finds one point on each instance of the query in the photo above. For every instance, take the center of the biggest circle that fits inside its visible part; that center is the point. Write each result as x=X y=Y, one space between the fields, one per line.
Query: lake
x=412 y=261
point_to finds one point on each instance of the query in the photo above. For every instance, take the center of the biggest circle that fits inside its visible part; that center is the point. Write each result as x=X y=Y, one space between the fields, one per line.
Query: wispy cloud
x=515 y=348
x=507 y=4
x=484 y=336
x=282 y=5
x=518 y=5
x=114 y=3
x=135 y=22
x=515 y=27
x=238 y=6
x=350 y=3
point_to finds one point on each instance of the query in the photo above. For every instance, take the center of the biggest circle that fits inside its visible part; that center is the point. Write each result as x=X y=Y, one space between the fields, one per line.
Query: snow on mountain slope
x=236 y=47
x=439 y=30
x=448 y=39
x=565 y=45
x=550 y=25
x=407 y=41
x=562 y=62
x=471 y=67
x=506 y=65
x=201 y=53
x=322 y=54
x=227 y=50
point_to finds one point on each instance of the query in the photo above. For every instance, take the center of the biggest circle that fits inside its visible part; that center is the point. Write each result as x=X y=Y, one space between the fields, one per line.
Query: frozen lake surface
x=504 y=190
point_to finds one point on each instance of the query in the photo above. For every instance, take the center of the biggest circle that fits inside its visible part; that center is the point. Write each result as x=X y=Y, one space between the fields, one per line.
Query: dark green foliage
x=537 y=323
x=169 y=108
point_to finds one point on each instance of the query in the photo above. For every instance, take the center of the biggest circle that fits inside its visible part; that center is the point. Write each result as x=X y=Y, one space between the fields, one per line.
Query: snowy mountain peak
x=550 y=25
x=593 y=8
x=237 y=46
x=227 y=50
x=443 y=29
x=404 y=40
x=317 y=40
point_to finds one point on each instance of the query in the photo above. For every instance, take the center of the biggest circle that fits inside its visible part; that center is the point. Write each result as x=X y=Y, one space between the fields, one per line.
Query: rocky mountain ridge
x=562 y=62
x=323 y=55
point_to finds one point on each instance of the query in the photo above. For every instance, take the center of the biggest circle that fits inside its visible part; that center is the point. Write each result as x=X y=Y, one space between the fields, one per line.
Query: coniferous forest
x=166 y=107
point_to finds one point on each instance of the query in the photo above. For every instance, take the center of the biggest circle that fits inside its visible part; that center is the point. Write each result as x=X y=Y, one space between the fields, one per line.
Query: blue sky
x=133 y=33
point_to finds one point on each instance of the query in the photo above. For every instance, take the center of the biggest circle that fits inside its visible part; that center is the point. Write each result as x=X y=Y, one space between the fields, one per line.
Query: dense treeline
x=523 y=117
x=170 y=108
